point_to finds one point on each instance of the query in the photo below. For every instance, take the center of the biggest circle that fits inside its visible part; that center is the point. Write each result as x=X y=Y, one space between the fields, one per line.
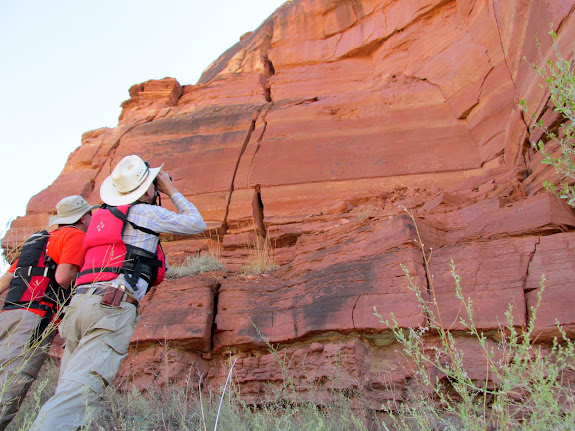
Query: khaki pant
x=97 y=339
x=20 y=362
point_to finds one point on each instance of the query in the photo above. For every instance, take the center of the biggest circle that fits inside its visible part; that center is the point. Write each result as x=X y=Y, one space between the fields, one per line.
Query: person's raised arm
x=187 y=221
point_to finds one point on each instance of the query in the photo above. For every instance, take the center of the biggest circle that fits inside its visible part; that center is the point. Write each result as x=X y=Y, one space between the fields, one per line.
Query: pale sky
x=66 y=65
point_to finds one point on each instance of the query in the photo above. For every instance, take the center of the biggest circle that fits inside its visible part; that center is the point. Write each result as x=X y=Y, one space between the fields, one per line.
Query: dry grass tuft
x=193 y=265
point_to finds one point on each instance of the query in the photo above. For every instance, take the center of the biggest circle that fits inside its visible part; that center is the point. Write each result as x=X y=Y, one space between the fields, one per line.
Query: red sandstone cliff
x=315 y=128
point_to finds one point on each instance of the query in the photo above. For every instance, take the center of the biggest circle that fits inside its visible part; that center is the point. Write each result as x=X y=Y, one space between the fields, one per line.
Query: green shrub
x=525 y=388
x=526 y=385
x=559 y=76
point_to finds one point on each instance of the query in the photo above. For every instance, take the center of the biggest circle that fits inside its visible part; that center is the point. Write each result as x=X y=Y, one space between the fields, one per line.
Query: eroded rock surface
x=317 y=130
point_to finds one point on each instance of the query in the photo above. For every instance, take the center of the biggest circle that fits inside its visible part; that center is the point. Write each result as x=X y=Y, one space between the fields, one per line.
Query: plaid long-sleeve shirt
x=187 y=221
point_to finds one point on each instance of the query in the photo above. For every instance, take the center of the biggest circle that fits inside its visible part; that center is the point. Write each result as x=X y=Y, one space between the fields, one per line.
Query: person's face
x=149 y=195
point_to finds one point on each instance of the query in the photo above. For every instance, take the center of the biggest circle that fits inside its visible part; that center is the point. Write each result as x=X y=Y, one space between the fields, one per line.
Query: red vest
x=107 y=255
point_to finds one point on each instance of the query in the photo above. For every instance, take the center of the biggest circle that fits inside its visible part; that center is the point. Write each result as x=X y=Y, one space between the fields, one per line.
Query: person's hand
x=165 y=184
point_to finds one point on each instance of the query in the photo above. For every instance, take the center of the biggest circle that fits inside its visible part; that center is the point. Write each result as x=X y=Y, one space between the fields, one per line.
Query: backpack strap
x=140 y=260
x=36 y=305
x=113 y=269
x=32 y=271
x=140 y=257
x=119 y=214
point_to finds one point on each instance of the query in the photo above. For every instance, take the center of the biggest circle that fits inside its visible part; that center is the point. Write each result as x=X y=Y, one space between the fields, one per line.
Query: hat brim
x=71 y=219
x=110 y=195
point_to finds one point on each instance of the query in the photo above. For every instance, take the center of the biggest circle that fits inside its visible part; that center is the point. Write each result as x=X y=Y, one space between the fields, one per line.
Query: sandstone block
x=555 y=259
x=339 y=297
x=493 y=276
x=179 y=311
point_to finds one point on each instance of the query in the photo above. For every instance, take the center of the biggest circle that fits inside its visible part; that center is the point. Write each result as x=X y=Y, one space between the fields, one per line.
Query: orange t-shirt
x=65 y=245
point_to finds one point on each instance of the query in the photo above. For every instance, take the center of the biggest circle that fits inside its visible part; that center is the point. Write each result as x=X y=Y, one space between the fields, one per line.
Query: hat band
x=140 y=182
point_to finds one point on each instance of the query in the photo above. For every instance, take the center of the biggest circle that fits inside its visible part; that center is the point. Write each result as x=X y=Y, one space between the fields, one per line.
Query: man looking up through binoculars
x=122 y=261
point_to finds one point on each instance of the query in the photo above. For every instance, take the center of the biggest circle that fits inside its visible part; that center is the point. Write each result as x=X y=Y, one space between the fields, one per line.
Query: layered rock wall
x=316 y=131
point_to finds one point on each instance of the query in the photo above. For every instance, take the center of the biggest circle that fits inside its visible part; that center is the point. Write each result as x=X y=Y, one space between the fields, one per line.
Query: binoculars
x=157 y=198
x=155 y=182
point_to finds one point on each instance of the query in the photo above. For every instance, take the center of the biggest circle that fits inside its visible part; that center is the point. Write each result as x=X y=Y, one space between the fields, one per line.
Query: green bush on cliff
x=525 y=388
x=523 y=385
x=558 y=144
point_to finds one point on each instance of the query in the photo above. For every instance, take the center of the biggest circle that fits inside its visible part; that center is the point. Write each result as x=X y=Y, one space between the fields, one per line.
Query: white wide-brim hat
x=129 y=180
x=71 y=209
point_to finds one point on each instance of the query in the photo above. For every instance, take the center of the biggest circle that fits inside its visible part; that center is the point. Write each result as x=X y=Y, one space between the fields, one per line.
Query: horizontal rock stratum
x=316 y=130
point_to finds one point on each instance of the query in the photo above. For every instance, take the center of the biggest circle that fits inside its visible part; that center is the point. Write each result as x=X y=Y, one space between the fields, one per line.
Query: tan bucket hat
x=70 y=209
x=128 y=182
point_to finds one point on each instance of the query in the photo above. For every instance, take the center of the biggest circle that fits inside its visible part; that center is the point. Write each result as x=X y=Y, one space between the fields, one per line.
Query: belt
x=102 y=290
